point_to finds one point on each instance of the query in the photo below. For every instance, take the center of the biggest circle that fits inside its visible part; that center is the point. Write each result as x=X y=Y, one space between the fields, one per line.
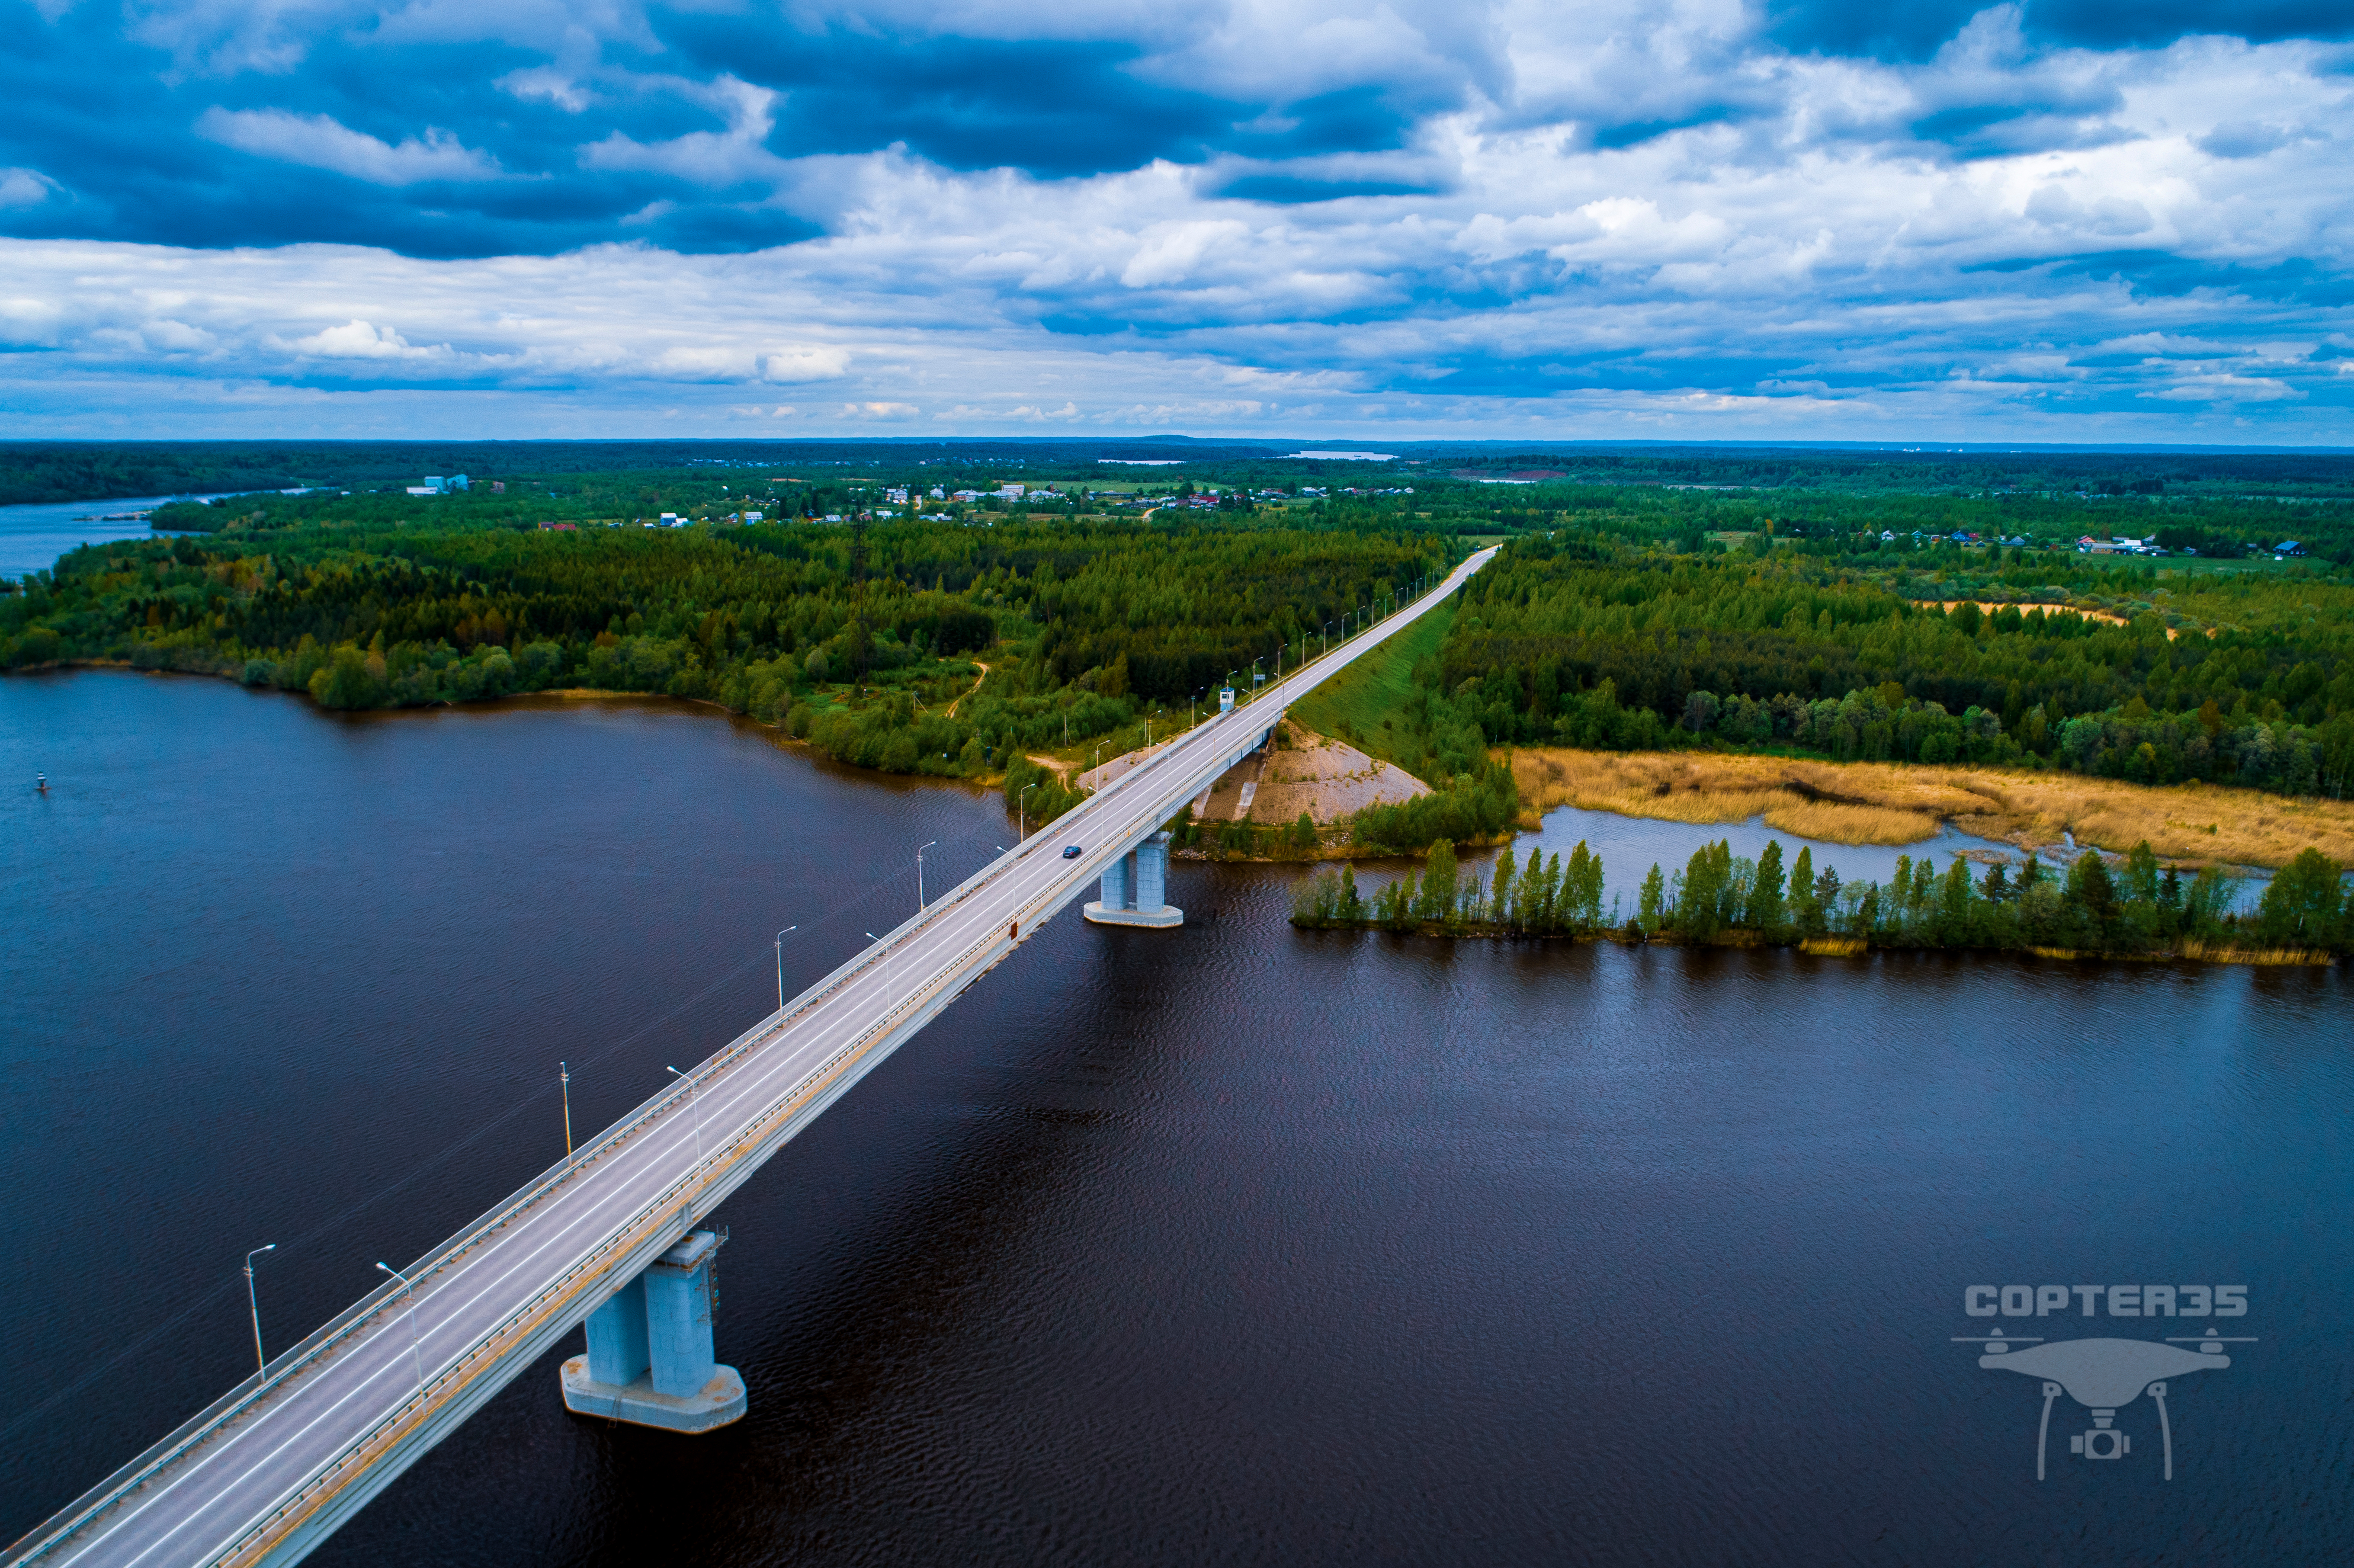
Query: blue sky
x=1816 y=220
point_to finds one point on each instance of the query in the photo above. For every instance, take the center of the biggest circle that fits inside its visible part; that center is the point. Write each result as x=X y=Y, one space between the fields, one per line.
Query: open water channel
x=1231 y=1245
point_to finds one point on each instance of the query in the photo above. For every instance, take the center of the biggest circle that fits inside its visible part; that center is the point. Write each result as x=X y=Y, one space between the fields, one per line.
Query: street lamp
x=697 y=1105
x=564 y=1085
x=415 y=1354
x=780 y=965
x=1020 y=817
x=253 y=1304
x=919 y=876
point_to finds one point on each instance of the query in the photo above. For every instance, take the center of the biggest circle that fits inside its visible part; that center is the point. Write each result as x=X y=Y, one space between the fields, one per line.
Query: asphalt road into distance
x=266 y=1473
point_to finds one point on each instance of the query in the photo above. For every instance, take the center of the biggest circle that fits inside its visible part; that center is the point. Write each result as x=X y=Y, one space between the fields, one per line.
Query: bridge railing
x=215 y=1418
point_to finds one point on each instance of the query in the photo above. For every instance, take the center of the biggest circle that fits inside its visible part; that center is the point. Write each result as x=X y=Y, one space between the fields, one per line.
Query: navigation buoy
x=41 y=782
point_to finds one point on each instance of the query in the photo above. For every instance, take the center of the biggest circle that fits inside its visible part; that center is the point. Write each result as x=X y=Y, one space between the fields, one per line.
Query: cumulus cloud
x=357 y=339
x=1811 y=218
x=318 y=142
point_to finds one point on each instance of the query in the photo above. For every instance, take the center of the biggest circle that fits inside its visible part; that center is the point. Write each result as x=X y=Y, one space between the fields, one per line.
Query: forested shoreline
x=867 y=641
x=1585 y=642
x=972 y=643
x=2138 y=908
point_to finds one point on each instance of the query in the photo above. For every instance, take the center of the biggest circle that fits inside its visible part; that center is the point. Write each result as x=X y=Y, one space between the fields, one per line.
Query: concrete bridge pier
x=650 y=1357
x=1135 y=889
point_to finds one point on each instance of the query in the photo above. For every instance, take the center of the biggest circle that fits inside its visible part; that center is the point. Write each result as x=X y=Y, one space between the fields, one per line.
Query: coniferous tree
x=1438 y=898
x=1501 y=892
x=1765 y=910
x=1648 y=909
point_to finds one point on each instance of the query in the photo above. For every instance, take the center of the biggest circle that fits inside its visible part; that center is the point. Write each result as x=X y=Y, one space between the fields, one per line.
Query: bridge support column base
x=716 y=1404
x=1167 y=915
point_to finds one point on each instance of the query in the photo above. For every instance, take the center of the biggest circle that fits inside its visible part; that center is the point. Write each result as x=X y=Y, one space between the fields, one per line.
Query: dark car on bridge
x=1070 y=852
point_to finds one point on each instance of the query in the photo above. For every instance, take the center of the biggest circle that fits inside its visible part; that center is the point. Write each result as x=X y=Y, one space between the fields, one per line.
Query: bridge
x=611 y=1236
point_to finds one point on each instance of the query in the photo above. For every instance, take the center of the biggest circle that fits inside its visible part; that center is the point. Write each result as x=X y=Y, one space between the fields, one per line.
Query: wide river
x=1230 y=1245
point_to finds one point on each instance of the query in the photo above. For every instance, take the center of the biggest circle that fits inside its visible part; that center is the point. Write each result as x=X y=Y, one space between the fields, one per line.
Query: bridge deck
x=270 y=1468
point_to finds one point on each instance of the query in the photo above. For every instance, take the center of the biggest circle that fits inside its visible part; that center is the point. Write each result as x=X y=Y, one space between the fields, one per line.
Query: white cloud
x=357 y=339
x=2116 y=216
x=1172 y=252
x=24 y=188
x=709 y=158
x=1617 y=218
x=805 y=365
x=2226 y=390
x=319 y=141
x=547 y=84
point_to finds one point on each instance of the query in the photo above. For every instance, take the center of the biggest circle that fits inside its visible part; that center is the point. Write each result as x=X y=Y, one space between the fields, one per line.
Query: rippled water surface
x=1230 y=1245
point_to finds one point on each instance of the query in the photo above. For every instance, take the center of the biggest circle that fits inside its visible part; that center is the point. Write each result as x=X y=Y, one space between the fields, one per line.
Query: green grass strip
x=1374 y=688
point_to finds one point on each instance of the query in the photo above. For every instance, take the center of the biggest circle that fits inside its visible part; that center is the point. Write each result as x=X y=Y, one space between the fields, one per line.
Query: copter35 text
x=2121 y=1300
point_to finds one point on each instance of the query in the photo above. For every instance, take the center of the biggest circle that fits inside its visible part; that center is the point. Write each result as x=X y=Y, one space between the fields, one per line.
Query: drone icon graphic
x=2103 y=1376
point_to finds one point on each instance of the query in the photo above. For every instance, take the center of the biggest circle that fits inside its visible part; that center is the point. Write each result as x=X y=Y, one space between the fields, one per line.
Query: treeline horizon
x=2132 y=907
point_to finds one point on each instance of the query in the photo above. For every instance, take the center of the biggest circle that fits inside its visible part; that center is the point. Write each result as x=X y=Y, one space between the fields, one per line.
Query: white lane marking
x=635 y=1168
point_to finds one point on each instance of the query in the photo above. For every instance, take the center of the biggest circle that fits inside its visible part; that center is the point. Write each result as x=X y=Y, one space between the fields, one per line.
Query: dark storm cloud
x=472 y=136
x=1916 y=31
x=1051 y=108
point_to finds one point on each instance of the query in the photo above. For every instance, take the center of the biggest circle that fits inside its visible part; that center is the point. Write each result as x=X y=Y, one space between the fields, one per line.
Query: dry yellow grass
x=1900 y=803
x=2112 y=617
x=2210 y=952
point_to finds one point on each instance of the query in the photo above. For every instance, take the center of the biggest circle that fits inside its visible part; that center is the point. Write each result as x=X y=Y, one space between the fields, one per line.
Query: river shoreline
x=2191 y=952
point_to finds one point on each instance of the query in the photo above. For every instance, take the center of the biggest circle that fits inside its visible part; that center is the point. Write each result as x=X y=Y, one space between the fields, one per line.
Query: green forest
x=860 y=639
x=1589 y=640
x=899 y=608
x=2087 y=906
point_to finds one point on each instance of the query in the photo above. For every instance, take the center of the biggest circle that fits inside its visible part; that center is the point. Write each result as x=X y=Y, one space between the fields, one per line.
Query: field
x=1897 y=804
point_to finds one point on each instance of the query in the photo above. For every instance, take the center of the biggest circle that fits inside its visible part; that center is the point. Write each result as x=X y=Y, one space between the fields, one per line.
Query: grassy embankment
x=1851 y=802
x=1362 y=703
x=1901 y=803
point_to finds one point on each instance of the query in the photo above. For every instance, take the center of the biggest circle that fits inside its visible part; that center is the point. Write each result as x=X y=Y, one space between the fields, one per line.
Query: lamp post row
x=564 y=1069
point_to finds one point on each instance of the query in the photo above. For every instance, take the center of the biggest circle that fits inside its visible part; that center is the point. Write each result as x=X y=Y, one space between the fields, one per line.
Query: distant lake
x=1232 y=1245
x=33 y=536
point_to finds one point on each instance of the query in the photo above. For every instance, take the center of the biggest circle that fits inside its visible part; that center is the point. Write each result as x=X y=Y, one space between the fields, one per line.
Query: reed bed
x=1901 y=804
x=2222 y=953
